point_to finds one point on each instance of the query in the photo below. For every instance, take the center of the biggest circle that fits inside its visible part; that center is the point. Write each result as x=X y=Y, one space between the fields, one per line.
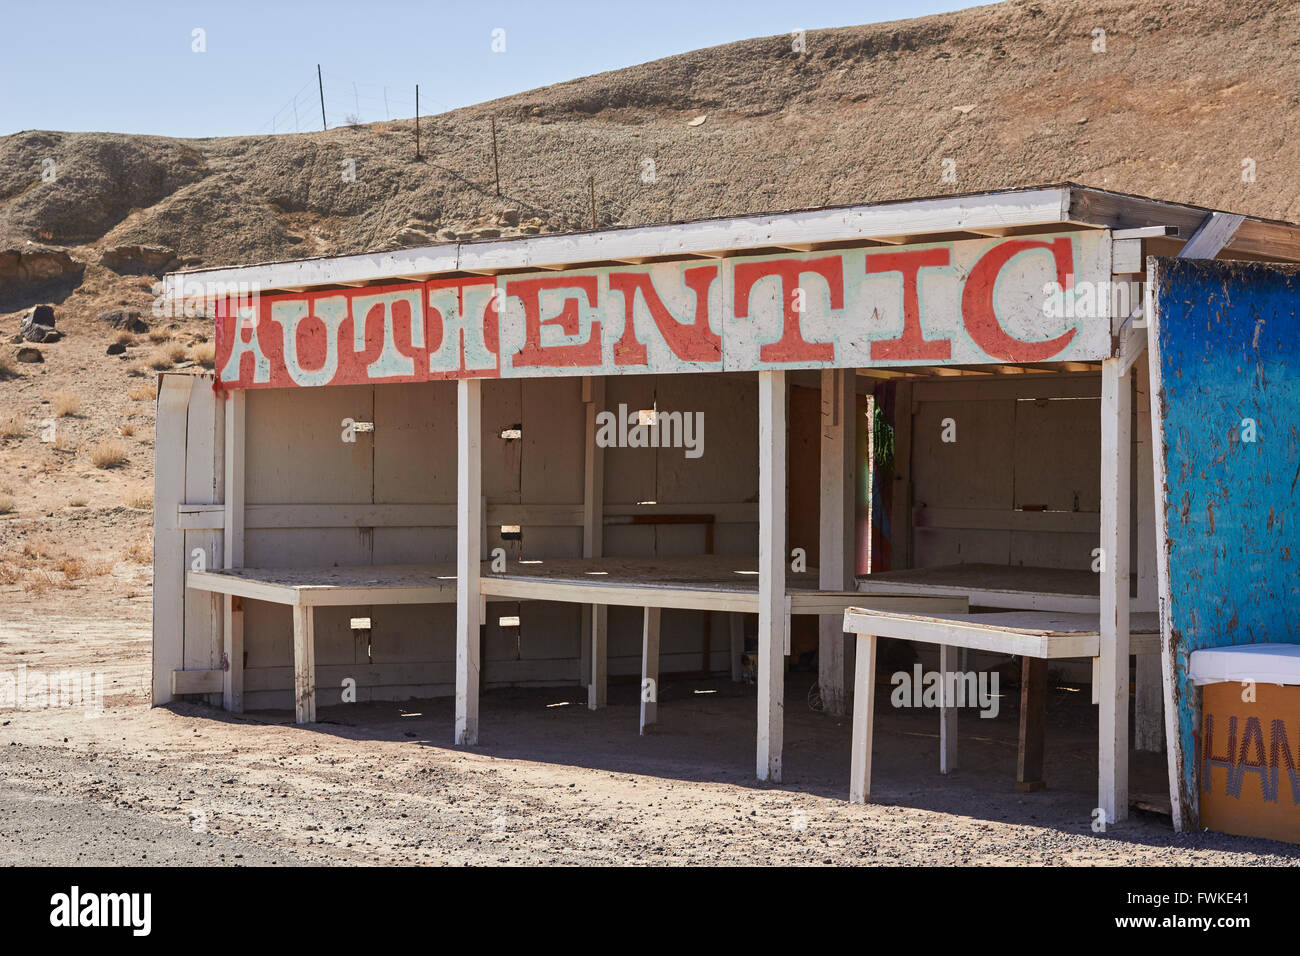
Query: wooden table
x=305 y=589
x=705 y=583
x=1036 y=636
x=697 y=582
x=996 y=585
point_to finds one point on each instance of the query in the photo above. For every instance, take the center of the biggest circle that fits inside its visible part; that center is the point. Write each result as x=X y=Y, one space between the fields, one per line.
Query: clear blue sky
x=129 y=67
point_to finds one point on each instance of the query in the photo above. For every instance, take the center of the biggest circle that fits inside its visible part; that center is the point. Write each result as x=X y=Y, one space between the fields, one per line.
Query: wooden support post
x=232 y=692
x=1148 y=717
x=949 y=674
x=771 y=572
x=838 y=532
x=1033 y=717
x=169 y=558
x=595 y=618
x=304 y=664
x=650 y=669
x=1116 y=409
x=736 y=622
x=864 y=707
x=900 y=522
x=598 y=688
x=469 y=520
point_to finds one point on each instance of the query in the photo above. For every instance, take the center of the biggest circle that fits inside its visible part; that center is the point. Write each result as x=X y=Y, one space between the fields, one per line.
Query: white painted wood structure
x=307 y=494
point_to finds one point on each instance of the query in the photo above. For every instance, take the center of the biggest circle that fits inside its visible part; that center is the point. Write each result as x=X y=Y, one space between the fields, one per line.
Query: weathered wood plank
x=771 y=572
x=469 y=531
x=1112 y=730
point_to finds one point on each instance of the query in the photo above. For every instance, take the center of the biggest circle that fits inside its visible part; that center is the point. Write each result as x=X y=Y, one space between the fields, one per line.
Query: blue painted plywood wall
x=1226 y=359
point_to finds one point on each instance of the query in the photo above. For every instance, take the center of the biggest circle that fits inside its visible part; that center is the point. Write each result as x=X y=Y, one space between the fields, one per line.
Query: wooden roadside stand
x=554 y=459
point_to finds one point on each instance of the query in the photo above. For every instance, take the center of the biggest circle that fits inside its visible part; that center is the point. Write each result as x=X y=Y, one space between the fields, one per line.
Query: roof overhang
x=1039 y=209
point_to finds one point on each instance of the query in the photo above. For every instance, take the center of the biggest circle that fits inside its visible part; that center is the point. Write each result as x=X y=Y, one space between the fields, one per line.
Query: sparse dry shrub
x=108 y=454
x=140 y=551
x=11 y=426
x=6 y=505
x=159 y=335
x=125 y=338
x=71 y=567
x=36 y=550
x=38 y=582
x=141 y=393
x=159 y=360
x=142 y=502
x=126 y=429
x=205 y=353
x=66 y=404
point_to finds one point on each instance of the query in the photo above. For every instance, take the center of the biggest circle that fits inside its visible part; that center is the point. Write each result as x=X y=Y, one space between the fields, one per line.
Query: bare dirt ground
x=551 y=781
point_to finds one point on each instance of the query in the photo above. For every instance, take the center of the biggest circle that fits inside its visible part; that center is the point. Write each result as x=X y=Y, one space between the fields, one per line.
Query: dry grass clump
x=36 y=551
x=72 y=568
x=77 y=502
x=9 y=574
x=126 y=429
x=6 y=505
x=163 y=358
x=125 y=338
x=141 y=502
x=66 y=404
x=141 y=551
x=7 y=368
x=108 y=454
x=38 y=582
x=11 y=427
x=159 y=335
x=141 y=393
x=205 y=353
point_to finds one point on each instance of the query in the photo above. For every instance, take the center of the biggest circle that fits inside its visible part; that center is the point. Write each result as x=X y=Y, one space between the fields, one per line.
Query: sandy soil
x=551 y=781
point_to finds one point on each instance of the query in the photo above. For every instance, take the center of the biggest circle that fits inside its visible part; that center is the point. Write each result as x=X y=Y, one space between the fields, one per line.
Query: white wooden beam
x=1210 y=238
x=650 y=668
x=232 y=691
x=864 y=707
x=304 y=664
x=838 y=531
x=469 y=520
x=1113 y=750
x=917 y=218
x=197 y=682
x=169 y=558
x=595 y=618
x=771 y=572
x=1148 y=718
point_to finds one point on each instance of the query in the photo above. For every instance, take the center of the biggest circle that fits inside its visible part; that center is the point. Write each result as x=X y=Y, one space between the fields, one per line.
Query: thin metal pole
x=321 y=83
x=417 y=120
